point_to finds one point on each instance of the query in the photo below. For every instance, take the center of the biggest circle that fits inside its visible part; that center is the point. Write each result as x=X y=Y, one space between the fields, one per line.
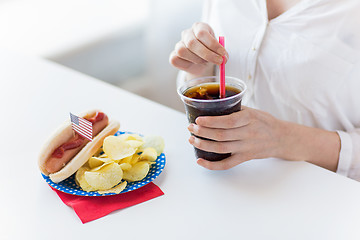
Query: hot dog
x=66 y=151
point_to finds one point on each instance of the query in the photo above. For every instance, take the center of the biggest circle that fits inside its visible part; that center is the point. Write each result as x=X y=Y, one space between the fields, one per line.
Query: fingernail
x=192 y=139
x=191 y=127
x=219 y=60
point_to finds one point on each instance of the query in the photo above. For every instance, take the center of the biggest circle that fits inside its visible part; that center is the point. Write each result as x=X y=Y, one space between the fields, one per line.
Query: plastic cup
x=216 y=107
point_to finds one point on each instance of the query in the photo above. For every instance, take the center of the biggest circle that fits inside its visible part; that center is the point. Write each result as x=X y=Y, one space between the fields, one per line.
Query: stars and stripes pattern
x=81 y=126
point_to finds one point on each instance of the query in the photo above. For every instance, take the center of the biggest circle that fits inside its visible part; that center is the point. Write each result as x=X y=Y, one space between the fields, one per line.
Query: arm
x=253 y=134
x=313 y=145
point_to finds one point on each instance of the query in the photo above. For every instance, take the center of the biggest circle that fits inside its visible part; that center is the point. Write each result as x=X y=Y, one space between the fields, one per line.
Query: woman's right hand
x=198 y=50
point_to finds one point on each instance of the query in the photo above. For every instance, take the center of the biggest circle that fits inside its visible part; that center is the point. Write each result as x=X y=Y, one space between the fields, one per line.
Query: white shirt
x=303 y=66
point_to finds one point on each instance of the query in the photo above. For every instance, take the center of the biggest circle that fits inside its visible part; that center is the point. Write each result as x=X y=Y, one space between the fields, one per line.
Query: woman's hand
x=248 y=134
x=198 y=51
x=254 y=134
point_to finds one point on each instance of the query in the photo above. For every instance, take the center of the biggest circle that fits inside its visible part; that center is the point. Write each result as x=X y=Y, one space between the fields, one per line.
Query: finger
x=214 y=146
x=178 y=62
x=224 y=164
x=195 y=46
x=219 y=134
x=226 y=58
x=183 y=52
x=205 y=35
x=234 y=120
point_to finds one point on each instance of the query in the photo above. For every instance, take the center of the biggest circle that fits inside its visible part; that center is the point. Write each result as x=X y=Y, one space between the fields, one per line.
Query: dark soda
x=211 y=105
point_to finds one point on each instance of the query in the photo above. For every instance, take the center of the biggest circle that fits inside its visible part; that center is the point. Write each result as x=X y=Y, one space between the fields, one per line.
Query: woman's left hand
x=247 y=134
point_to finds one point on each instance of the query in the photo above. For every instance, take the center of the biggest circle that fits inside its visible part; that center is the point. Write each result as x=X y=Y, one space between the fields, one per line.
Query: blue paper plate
x=69 y=185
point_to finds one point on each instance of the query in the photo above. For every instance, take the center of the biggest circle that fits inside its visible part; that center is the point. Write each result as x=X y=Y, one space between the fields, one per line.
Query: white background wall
x=167 y=20
x=126 y=43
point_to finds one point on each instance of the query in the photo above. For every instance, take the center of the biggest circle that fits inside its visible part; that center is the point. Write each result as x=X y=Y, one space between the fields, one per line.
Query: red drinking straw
x=222 y=70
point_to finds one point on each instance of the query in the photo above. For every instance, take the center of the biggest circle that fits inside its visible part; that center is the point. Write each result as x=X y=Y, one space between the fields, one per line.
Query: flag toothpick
x=82 y=126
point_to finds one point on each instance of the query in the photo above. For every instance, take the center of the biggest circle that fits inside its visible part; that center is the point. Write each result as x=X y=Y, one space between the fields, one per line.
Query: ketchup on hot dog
x=98 y=117
x=65 y=152
x=73 y=143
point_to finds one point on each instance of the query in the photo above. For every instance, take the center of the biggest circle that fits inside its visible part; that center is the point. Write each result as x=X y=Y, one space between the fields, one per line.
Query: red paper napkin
x=91 y=208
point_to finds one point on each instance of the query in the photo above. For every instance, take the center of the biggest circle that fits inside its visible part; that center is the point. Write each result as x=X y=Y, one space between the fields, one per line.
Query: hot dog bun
x=63 y=134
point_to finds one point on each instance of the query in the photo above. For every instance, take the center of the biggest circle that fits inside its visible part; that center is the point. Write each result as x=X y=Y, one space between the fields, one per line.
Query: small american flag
x=81 y=126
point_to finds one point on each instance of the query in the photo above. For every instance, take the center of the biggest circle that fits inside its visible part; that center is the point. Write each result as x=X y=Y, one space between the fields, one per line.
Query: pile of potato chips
x=126 y=157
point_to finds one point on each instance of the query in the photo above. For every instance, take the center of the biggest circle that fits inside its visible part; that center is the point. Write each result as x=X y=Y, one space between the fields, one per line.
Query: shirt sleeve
x=349 y=158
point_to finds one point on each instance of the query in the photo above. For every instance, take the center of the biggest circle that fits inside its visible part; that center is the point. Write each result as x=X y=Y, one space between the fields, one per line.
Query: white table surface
x=260 y=199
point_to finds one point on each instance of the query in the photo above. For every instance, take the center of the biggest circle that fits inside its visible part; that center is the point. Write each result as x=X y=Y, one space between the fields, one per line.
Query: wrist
x=302 y=143
x=285 y=149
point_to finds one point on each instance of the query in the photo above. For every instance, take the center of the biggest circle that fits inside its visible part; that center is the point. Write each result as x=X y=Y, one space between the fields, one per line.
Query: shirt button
x=249 y=77
x=254 y=48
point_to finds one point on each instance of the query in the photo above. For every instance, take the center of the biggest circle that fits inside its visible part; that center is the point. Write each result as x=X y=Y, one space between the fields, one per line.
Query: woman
x=301 y=62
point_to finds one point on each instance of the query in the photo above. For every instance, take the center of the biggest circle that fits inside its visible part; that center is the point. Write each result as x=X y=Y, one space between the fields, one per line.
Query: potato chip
x=98 y=152
x=135 y=158
x=134 y=143
x=137 y=172
x=97 y=161
x=80 y=179
x=149 y=154
x=155 y=142
x=118 y=159
x=149 y=162
x=125 y=166
x=117 y=189
x=79 y=173
x=104 y=178
x=126 y=160
x=127 y=137
x=101 y=166
x=116 y=148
